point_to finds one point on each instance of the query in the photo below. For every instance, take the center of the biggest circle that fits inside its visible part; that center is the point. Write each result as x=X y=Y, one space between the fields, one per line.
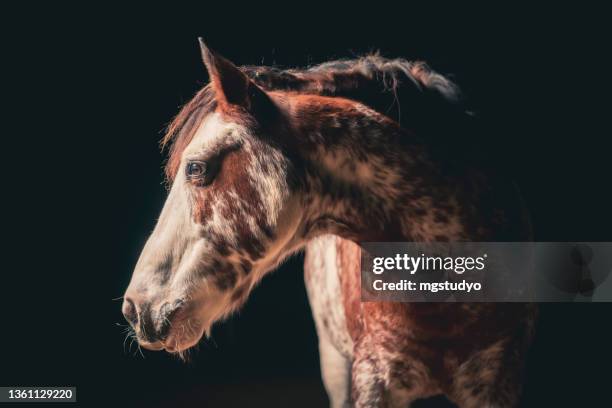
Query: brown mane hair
x=181 y=130
x=430 y=101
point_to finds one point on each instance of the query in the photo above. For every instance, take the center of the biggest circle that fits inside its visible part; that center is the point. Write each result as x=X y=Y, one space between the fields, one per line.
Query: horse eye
x=196 y=169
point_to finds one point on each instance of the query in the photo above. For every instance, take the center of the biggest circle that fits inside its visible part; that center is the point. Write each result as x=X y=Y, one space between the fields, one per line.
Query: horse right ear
x=232 y=87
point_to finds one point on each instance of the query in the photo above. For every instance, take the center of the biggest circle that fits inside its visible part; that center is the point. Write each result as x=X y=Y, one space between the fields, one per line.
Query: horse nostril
x=130 y=312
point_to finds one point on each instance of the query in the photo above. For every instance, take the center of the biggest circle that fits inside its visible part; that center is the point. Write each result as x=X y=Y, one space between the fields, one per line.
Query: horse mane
x=409 y=92
x=358 y=78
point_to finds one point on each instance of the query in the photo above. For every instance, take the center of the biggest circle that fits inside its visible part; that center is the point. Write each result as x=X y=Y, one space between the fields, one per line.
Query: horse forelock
x=182 y=128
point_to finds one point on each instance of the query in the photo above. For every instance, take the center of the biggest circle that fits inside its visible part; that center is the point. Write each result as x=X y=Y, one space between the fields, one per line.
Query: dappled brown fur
x=358 y=136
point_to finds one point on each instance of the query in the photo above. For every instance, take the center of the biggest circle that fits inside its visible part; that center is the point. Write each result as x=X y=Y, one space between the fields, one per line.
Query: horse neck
x=367 y=179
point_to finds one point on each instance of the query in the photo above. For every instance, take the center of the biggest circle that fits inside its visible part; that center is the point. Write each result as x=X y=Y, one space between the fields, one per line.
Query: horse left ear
x=232 y=87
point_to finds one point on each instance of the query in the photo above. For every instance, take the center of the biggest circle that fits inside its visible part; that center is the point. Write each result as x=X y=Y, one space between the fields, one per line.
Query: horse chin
x=183 y=339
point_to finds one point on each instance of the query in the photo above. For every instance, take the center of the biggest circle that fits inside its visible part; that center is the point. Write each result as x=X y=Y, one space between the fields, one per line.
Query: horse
x=264 y=162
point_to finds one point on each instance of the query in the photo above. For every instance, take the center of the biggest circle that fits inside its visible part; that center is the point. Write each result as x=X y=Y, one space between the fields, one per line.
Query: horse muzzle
x=152 y=324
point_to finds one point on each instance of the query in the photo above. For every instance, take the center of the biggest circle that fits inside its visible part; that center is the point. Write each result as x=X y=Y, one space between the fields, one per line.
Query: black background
x=88 y=92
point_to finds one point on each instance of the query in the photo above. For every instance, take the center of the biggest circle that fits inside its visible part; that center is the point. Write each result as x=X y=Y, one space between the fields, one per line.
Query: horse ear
x=232 y=87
